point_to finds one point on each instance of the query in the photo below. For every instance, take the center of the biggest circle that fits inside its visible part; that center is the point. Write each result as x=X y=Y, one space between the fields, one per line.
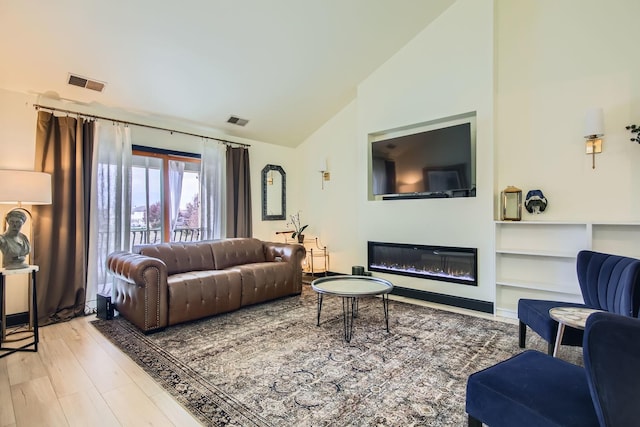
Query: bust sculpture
x=13 y=244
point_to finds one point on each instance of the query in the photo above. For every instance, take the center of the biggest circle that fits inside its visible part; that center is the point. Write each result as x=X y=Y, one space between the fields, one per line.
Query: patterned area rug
x=270 y=365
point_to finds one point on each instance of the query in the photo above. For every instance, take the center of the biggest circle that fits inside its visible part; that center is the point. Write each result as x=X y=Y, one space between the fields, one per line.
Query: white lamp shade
x=594 y=123
x=322 y=165
x=27 y=187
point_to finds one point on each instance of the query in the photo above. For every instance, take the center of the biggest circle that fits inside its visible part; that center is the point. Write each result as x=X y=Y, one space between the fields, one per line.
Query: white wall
x=446 y=70
x=332 y=212
x=555 y=60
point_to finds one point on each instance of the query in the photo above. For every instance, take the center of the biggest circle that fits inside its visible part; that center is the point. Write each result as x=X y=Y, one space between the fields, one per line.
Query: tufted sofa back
x=609 y=282
x=205 y=255
x=231 y=252
x=181 y=257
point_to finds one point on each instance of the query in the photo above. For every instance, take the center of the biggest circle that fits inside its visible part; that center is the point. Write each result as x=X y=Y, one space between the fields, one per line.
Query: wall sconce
x=593 y=130
x=270 y=178
x=324 y=170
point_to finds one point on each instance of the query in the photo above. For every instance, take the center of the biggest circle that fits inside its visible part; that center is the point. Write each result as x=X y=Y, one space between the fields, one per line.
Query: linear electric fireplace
x=448 y=264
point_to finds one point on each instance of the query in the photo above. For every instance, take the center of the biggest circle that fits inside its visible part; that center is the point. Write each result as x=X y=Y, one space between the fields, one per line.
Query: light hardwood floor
x=78 y=378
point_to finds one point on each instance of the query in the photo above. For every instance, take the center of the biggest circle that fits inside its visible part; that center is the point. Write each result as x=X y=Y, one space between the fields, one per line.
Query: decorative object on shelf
x=593 y=130
x=30 y=188
x=324 y=170
x=635 y=129
x=535 y=202
x=298 y=227
x=511 y=201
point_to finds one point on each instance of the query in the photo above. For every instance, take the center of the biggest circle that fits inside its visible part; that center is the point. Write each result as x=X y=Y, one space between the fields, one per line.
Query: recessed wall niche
x=429 y=160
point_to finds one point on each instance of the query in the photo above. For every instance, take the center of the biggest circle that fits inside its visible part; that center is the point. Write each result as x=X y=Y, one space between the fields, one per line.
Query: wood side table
x=575 y=317
x=33 y=311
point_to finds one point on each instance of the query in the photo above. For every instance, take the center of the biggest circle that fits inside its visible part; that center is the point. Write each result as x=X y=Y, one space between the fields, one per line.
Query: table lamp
x=20 y=187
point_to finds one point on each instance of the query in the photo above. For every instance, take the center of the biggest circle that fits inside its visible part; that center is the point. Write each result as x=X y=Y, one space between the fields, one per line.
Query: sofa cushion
x=197 y=294
x=181 y=257
x=231 y=252
x=265 y=281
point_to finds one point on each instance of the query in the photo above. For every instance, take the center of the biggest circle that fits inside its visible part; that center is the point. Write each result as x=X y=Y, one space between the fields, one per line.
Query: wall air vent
x=237 y=121
x=79 y=81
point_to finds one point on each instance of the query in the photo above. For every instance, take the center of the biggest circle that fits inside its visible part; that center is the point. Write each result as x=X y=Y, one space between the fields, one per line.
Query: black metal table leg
x=385 y=307
x=348 y=306
x=319 y=307
x=3 y=319
x=34 y=314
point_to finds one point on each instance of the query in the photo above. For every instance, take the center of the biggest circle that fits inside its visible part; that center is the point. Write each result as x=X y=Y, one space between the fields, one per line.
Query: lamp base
x=594 y=146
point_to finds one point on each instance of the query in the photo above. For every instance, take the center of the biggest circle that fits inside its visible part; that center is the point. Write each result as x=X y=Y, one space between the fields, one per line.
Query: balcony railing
x=154 y=235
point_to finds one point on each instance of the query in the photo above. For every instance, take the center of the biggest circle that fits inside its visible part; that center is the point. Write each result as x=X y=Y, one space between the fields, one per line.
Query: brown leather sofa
x=165 y=284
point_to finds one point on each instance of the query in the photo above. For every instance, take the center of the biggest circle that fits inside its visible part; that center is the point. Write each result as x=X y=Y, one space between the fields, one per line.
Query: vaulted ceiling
x=287 y=66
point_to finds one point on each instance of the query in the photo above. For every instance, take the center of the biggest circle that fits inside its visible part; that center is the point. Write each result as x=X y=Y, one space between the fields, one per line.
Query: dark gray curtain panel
x=64 y=147
x=238 y=193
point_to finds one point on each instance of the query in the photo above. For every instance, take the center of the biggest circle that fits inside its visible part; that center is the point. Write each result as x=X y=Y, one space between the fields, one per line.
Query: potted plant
x=297 y=226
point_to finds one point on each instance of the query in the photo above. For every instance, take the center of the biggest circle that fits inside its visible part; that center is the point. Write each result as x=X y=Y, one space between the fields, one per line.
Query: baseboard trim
x=454 y=301
x=16 y=319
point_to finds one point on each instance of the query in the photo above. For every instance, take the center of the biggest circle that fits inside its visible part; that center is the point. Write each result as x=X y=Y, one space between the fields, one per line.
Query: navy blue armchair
x=607 y=282
x=535 y=389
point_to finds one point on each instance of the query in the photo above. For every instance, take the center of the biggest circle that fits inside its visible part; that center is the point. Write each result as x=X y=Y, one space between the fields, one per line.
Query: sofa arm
x=284 y=252
x=289 y=253
x=140 y=289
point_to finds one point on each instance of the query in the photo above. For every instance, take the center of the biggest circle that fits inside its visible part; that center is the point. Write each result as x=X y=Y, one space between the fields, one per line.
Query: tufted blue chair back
x=612 y=362
x=609 y=282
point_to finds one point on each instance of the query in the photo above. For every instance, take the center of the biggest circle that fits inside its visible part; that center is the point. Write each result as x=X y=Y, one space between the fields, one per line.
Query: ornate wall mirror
x=274 y=200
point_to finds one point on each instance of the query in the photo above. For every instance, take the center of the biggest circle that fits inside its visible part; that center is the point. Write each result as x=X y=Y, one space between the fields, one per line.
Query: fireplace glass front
x=444 y=263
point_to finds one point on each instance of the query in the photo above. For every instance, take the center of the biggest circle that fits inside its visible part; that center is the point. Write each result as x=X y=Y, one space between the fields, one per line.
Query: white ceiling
x=285 y=65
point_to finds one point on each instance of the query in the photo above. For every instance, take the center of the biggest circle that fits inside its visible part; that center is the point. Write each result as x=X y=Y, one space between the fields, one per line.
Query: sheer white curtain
x=212 y=172
x=109 y=229
x=176 y=173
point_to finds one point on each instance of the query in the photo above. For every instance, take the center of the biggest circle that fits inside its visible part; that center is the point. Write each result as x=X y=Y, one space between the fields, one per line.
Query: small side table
x=350 y=288
x=33 y=311
x=575 y=317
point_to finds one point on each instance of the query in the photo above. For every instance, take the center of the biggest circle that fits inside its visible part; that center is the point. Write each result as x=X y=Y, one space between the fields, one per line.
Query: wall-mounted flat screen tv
x=434 y=163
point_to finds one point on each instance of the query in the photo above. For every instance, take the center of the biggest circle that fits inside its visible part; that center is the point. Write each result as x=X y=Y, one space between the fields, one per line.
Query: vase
x=300 y=238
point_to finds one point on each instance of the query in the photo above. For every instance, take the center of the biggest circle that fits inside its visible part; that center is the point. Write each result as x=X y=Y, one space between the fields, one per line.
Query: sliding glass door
x=165 y=197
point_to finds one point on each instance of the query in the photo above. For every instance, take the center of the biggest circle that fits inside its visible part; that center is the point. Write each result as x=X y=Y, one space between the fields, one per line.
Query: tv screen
x=433 y=163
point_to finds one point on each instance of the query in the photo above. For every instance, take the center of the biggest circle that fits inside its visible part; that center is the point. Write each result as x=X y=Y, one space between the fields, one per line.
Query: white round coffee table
x=350 y=288
x=575 y=317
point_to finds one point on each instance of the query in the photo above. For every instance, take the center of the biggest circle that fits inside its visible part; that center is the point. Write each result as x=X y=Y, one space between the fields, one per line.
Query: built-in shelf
x=536 y=259
x=538 y=286
x=536 y=253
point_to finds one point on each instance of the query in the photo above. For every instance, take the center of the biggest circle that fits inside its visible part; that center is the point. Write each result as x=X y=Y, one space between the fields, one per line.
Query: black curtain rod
x=93 y=116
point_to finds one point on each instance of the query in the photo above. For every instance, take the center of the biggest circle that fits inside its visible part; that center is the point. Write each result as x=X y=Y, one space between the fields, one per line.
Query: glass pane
x=146 y=200
x=187 y=227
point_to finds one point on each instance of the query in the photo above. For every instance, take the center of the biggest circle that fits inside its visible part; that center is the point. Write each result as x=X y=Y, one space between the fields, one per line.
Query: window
x=165 y=196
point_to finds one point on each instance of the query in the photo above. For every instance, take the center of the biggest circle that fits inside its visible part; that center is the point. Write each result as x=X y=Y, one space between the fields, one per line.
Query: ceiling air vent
x=79 y=81
x=237 y=121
